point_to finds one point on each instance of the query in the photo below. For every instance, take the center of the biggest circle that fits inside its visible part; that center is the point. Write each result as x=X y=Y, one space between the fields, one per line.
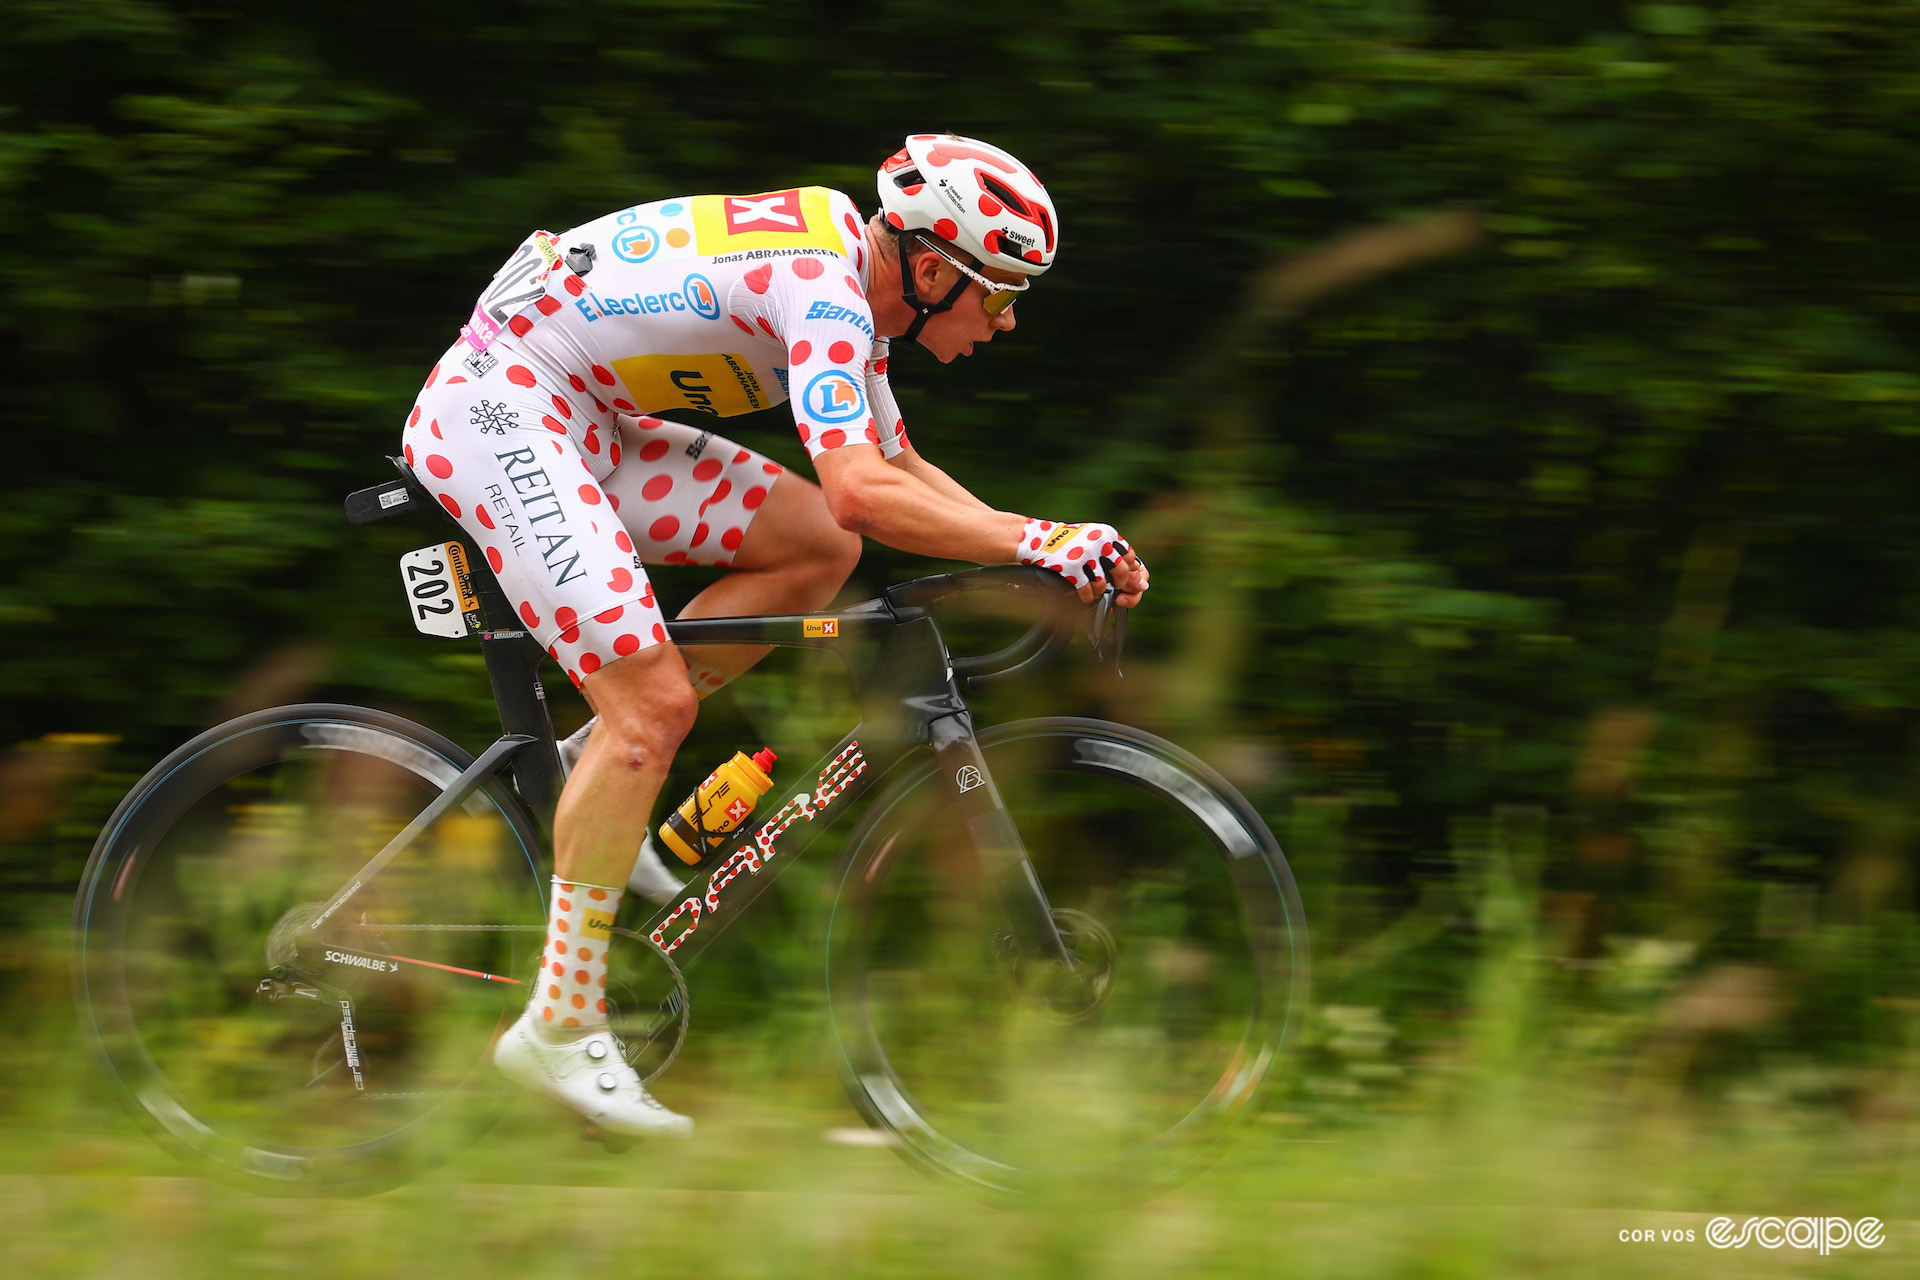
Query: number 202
x=431 y=590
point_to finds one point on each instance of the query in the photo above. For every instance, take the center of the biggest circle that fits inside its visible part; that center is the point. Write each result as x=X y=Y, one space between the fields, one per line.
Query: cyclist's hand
x=1084 y=554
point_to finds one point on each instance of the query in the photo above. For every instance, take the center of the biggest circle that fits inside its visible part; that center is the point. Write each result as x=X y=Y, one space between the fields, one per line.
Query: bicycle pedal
x=614 y=1143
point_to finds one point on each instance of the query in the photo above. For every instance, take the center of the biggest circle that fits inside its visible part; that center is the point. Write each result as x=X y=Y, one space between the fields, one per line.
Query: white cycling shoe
x=590 y=1076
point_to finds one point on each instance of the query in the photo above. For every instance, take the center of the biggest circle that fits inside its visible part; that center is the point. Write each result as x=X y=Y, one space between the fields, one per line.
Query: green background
x=1517 y=405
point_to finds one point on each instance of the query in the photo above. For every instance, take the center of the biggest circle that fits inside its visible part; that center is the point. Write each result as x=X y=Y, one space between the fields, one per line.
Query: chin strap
x=922 y=311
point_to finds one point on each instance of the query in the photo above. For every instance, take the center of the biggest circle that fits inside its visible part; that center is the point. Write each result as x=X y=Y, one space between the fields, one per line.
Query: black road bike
x=1058 y=952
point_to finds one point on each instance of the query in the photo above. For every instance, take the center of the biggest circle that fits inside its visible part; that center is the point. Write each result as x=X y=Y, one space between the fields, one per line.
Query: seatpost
x=513 y=669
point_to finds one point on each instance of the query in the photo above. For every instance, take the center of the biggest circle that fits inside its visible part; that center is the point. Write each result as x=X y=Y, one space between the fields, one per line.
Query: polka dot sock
x=704 y=678
x=571 y=995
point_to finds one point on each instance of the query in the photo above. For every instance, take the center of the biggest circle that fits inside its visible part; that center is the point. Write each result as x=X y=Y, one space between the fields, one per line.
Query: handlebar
x=1043 y=641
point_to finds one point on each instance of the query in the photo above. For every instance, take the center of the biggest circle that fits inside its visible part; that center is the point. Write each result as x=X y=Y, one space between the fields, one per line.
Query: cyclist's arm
x=910 y=461
x=895 y=505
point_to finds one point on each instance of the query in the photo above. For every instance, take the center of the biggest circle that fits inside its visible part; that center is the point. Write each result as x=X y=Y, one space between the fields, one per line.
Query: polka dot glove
x=1071 y=550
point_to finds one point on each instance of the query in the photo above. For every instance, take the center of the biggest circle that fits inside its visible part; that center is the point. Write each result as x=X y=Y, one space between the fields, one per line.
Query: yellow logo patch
x=821 y=628
x=795 y=219
x=1060 y=537
x=717 y=384
x=596 y=924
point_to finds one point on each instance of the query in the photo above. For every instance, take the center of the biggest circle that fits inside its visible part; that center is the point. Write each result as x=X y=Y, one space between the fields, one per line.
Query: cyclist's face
x=955 y=332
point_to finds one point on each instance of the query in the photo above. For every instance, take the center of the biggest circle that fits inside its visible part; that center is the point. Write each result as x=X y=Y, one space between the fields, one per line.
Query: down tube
x=774 y=837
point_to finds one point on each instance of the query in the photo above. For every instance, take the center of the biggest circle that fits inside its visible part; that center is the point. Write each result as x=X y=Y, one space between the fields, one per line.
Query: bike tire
x=1185 y=830
x=173 y=913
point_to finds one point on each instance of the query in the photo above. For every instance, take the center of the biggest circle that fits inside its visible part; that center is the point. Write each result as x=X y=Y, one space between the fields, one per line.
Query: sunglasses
x=1000 y=295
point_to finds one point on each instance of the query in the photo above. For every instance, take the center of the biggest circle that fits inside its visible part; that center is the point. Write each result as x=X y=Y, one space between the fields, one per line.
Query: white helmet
x=974 y=196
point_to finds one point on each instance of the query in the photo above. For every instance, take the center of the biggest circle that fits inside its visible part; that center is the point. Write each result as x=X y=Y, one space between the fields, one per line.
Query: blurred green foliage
x=1517 y=405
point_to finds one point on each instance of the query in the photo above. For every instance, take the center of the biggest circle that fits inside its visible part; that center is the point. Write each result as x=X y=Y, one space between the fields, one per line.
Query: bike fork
x=1023 y=903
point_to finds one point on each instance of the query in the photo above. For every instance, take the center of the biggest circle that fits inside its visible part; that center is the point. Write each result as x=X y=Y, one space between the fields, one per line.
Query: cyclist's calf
x=646 y=707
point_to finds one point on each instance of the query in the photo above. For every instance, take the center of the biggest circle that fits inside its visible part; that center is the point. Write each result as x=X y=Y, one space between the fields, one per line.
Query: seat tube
x=1002 y=854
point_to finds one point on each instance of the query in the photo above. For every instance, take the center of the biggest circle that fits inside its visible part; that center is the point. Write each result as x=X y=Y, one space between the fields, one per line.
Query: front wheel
x=1191 y=966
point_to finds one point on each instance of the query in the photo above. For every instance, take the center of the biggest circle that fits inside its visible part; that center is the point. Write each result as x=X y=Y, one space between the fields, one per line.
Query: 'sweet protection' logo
x=636 y=244
x=834 y=397
x=701 y=297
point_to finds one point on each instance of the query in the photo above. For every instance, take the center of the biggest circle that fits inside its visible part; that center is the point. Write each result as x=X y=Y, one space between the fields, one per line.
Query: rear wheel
x=1120 y=1077
x=341 y=1058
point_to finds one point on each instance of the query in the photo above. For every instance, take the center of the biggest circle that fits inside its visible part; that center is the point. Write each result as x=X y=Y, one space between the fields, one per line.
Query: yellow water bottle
x=706 y=818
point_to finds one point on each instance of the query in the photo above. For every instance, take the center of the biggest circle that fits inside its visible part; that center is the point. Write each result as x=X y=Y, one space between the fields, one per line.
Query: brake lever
x=1103 y=625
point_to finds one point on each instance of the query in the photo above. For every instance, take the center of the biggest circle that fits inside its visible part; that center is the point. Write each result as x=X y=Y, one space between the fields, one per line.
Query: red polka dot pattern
x=808 y=268
x=760 y=279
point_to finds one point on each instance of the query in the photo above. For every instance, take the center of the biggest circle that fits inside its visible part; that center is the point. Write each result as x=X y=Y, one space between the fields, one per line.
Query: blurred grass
x=1507 y=1148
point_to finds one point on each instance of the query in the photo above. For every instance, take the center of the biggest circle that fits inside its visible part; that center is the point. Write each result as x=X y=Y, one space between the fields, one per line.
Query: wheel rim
x=213 y=1065
x=892 y=1087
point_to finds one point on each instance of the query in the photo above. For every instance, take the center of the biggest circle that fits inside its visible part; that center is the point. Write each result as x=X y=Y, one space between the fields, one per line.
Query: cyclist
x=536 y=432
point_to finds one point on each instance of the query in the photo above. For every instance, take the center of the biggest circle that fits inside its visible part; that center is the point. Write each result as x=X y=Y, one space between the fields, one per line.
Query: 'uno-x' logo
x=1060 y=537
x=775 y=211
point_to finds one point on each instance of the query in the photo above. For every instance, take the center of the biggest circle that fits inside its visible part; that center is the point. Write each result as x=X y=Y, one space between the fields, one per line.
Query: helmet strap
x=922 y=311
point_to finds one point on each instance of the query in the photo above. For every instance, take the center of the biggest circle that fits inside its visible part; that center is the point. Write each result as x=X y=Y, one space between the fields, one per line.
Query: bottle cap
x=764 y=759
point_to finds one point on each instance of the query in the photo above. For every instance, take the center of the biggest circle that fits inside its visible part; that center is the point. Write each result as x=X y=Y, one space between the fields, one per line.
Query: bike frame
x=908 y=687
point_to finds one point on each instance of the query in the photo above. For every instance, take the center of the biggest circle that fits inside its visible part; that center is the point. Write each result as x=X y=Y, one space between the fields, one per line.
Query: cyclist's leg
x=792 y=559
x=690 y=497
x=645 y=707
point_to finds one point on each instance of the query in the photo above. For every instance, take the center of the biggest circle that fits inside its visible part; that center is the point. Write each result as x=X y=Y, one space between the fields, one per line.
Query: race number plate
x=440 y=590
x=520 y=283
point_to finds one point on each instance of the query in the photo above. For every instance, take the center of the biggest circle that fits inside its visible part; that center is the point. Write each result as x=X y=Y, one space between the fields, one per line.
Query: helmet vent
x=1017 y=203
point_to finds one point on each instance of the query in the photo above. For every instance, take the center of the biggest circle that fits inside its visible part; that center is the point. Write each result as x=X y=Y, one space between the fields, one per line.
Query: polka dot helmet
x=974 y=196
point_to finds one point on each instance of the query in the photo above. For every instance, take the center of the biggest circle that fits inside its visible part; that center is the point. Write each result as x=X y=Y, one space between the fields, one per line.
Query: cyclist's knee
x=645 y=703
x=842 y=554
